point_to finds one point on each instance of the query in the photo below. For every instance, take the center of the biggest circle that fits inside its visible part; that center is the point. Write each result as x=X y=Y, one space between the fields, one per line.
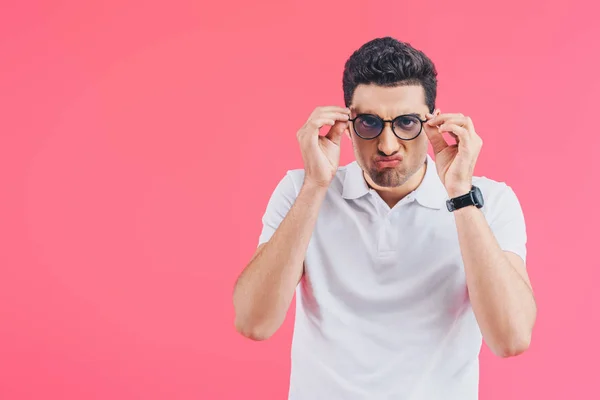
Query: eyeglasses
x=405 y=127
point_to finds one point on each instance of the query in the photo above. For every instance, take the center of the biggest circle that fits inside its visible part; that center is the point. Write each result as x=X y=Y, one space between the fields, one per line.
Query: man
x=401 y=265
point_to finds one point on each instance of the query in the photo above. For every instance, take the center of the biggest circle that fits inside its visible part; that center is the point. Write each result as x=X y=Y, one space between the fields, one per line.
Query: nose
x=388 y=142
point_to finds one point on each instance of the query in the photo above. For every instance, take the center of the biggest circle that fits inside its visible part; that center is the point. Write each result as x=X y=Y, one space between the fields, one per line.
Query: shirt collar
x=354 y=185
x=430 y=193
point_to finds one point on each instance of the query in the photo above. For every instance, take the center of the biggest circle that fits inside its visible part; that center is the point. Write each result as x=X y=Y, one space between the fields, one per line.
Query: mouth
x=388 y=162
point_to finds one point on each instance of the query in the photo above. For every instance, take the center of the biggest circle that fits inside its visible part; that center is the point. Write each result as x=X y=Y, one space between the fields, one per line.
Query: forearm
x=501 y=298
x=266 y=287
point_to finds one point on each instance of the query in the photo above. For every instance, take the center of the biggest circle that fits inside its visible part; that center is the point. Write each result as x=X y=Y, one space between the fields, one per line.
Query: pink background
x=140 y=141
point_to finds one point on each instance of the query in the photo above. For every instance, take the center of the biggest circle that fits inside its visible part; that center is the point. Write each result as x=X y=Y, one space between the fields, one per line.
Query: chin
x=388 y=177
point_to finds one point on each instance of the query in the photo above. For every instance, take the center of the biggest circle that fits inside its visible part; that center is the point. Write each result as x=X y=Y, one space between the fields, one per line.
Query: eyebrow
x=367 y=111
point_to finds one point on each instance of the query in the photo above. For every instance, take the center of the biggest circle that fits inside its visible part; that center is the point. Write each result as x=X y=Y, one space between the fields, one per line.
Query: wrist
x=466 y=212
x=314 y=188
x=458 y=190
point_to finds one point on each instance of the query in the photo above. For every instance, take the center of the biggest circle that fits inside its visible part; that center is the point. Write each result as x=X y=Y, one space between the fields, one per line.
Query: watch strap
x=465 y=200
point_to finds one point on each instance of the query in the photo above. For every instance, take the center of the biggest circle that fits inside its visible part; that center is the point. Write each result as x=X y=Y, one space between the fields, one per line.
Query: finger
x=454 y=136
x=321 y=122
x=314 y=124
x=336 y=131
x=312 y=127
x=336 y=116
x=435 y=113
x=328 y=109
x=470 y=125
x=435 y=137
x=458 y=132
x=462 y=122
x=442 y=118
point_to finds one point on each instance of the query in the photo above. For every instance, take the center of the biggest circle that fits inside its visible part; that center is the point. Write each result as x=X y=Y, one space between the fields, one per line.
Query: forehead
x=388 y=102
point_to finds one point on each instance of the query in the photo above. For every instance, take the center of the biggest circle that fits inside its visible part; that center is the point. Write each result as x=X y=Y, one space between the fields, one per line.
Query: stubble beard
x=388 y=178
x=392 y=177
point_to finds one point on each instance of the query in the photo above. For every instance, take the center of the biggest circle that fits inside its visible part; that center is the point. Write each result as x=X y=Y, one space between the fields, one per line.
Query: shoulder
x=295 y=177
x=491 y=187
x=499 y=197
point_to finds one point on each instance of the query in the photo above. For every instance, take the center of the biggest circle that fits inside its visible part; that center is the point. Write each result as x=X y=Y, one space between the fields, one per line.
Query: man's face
x=371 y=155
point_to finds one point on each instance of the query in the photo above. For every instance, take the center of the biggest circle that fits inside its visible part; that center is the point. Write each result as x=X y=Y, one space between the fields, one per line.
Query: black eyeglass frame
x=384 y=121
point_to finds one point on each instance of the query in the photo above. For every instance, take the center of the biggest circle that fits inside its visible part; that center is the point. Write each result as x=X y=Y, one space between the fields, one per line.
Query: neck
x=393 y=195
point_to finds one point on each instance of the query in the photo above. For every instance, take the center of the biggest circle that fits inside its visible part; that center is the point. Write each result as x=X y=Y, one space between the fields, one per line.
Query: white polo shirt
x=382 y=311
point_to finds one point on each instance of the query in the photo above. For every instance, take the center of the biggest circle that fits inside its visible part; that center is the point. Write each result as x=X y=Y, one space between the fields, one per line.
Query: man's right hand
x=321 y=154
x=266 y=287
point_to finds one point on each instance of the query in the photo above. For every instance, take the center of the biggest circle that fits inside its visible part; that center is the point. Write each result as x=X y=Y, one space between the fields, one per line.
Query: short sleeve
x=279 y=205
x=508 y=223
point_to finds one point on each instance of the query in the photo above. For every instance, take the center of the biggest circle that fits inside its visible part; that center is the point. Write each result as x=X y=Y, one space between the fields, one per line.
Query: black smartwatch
x=473 y=198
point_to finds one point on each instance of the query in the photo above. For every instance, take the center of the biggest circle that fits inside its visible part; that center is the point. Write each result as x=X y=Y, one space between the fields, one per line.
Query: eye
x=369 y=121
x=406 y=122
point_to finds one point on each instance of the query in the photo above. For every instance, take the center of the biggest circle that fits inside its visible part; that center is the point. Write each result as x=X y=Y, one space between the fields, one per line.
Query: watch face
x=478 y=196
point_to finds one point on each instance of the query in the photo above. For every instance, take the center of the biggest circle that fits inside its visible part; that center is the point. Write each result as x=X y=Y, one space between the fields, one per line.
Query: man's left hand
x=455 y=162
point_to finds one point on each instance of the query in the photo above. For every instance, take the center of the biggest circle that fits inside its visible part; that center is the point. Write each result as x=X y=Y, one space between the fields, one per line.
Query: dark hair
x=389 y=62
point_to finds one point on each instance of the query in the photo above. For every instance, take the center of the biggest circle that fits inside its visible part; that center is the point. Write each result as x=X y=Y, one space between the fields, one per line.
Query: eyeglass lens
x=370 y=126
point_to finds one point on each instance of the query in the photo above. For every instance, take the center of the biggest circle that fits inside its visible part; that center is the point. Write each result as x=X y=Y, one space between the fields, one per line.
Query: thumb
x=336 y=131
x=438 y=143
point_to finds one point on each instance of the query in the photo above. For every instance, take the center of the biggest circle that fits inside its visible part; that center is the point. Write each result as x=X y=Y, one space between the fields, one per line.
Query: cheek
x=365 y=149
x=418 y=146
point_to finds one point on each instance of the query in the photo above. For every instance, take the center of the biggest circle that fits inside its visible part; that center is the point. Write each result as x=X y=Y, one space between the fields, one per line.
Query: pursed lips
x=391 y=161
